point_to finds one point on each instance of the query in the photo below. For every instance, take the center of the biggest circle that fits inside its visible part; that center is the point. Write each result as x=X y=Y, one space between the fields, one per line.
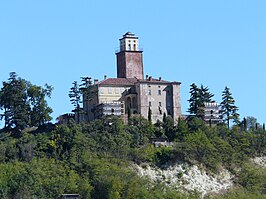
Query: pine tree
x=193 y=100
x=75 y=95
x=228 y=108
x=198 y=98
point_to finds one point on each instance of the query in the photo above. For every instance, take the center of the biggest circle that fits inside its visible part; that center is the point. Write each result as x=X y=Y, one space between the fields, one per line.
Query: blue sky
x=214 y=43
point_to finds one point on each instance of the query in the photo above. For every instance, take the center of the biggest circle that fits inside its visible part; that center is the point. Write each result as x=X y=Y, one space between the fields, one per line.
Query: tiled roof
x=131 y=81
x=118 y=81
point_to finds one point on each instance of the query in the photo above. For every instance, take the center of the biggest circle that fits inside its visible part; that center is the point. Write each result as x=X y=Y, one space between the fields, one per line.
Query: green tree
x=40 y=111
x=198 y=97
x=75 y=95
x=228 y=108
x=24 y=104
x=14 y=102
x=169 y=128
x=149 y=115
x=205 y=95
x=182 y=129
x=193 y=100
x=251 y=123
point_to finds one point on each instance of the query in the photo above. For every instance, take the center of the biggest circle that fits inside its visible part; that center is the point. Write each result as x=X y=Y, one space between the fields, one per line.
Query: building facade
x=130 y=92
x=212 y=113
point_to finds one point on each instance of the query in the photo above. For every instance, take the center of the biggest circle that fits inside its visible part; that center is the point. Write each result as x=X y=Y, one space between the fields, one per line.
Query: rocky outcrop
x=188 y=178
x=260 y=161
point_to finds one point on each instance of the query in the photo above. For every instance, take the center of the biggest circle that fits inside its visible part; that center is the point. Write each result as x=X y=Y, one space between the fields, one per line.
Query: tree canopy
x=23 y=103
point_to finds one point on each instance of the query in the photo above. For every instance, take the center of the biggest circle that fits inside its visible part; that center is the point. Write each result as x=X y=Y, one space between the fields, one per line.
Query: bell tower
x=129 y=58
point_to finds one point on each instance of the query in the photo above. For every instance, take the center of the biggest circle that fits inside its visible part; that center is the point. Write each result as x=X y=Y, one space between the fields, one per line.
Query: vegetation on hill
x=94 y=159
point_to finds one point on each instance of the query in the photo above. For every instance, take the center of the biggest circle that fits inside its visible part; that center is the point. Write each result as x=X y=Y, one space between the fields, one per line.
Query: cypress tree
x=149 y=115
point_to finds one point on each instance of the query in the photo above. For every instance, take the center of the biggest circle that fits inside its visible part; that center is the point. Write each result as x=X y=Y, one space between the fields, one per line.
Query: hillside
x=109 y=159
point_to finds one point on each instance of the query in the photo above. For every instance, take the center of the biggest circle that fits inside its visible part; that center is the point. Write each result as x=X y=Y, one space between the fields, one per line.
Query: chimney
x=105 y=77
x=150 y=78
x=160 y=78
x=96 y=81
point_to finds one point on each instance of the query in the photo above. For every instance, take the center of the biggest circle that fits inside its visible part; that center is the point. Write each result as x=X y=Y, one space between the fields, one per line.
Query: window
x=160 y=104
x=149 y=104
x=110 y=91
x=168 y=110
x=149 y=92
x=101 y=90
x=159 y=92
x=116 y=90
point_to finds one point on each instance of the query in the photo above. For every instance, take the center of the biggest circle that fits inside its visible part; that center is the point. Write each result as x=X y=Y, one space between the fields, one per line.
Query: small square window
x=160 y=104
x=149 y=92
x=159 y=92
x=149 y=104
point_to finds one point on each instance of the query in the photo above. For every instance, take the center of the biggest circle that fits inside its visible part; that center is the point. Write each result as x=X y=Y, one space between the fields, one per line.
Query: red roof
x=131 y=81
x=118 y=81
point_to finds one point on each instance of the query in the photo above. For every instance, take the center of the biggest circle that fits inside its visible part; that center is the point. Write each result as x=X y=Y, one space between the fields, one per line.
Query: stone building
x=212 y=113
x=130 y=91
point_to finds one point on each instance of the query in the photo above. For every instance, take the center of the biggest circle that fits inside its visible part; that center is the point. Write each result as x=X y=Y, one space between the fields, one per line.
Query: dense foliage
x=23 y=104
x=94 y=159
x=198 y=97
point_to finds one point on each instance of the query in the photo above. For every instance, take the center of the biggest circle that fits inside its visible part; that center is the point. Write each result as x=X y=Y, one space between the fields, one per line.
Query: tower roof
x=129 y=35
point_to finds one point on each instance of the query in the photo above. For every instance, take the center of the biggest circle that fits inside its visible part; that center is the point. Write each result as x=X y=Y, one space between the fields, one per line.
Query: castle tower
x=129 y=58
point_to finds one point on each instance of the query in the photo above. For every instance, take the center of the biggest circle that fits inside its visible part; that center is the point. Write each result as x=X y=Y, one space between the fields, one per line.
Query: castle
x=131 y=92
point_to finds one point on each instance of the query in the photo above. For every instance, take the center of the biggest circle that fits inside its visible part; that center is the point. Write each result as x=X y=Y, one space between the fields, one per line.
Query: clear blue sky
x=214 y=43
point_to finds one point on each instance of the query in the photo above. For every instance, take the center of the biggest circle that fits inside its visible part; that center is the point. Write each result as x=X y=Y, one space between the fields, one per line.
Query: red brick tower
x=129 y=58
